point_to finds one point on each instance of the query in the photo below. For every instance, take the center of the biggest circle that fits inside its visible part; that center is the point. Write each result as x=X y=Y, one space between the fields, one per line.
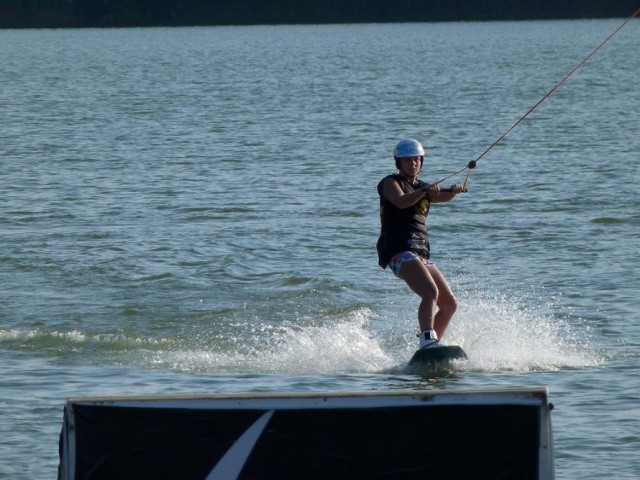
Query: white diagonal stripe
x=230 y=465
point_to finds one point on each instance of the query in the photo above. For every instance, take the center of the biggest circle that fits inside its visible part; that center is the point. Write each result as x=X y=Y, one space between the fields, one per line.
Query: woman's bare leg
x=421 y=281
x=446 y=301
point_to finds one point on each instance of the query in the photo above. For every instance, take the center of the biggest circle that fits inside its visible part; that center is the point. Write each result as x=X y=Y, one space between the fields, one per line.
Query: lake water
x=194 y=211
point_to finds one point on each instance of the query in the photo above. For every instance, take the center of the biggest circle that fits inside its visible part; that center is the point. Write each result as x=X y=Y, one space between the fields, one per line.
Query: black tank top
x=402 y=229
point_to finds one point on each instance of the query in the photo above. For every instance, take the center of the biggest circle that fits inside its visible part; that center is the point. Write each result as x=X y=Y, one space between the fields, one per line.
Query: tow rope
x=472 y=164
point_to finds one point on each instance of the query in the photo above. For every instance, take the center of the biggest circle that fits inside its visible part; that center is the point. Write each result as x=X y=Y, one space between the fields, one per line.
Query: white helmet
x=408 y=148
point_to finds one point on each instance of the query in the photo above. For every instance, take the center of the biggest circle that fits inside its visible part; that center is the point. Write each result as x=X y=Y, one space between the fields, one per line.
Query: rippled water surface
x=194 y=211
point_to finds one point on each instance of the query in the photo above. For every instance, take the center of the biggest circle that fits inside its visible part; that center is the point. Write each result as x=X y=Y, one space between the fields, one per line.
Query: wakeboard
x=435 y=355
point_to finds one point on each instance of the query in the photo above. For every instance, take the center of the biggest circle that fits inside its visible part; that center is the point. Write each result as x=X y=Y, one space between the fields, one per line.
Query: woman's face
x=410 y=166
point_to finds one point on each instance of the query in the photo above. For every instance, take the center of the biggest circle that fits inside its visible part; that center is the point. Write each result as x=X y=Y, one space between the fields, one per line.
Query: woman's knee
x=430 y=292
x=448 y=305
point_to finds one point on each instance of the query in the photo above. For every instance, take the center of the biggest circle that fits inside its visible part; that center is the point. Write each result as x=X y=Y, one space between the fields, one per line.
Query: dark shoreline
x=149 y=13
